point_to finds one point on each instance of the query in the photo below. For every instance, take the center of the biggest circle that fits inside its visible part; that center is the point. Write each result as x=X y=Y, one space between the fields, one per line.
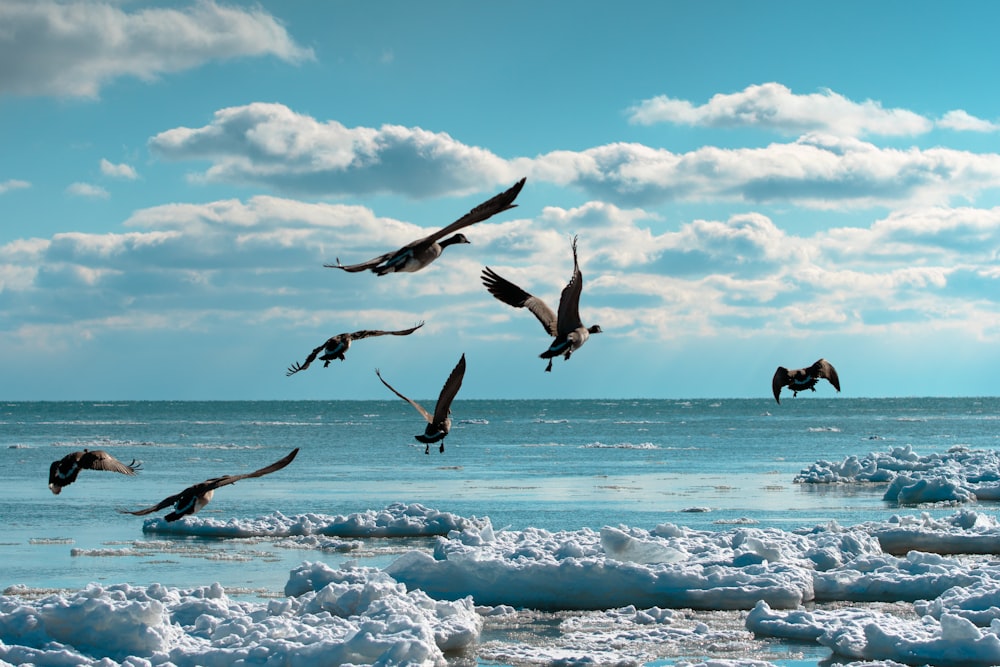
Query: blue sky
x=753 y=185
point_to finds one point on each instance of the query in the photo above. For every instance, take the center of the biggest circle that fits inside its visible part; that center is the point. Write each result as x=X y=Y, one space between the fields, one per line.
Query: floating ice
x=396 y=520
x=960 y=475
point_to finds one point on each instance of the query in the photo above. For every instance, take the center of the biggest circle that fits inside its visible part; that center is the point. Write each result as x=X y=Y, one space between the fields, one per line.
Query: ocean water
x=553 y=464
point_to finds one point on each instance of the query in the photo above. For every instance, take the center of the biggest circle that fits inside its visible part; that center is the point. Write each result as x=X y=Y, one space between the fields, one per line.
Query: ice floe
x=912 y=589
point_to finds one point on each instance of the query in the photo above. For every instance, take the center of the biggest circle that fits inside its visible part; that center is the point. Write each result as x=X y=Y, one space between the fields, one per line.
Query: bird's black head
x=595 y=329
x=457 y=238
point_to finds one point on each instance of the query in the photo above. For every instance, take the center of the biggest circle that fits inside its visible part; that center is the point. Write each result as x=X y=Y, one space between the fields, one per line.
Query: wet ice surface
x=641 y=596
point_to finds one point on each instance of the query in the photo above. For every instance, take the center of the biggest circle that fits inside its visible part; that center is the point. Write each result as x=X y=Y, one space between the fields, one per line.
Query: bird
x=195 y=497
x=566 y=327
x=418 y=254
x=801 y=379
x=64 y=471
x=335 y=347
x=438 y=424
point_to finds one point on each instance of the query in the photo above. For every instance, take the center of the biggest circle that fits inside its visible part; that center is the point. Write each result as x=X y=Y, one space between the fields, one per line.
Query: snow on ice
x=634 y=589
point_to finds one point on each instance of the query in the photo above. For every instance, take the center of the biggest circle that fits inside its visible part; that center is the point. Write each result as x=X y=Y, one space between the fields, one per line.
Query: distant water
x=553 y=464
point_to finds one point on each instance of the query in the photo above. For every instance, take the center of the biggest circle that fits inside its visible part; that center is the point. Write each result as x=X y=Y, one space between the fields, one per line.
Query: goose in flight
x=418 y=254
x=193 y=498
x=64 y=471
x=801 y=379
x=438 y=424
x=566 y=327
x=335 y=347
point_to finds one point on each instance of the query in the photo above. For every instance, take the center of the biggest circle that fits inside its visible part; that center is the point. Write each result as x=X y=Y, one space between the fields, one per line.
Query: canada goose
x=418 y=254
x=566 y=327
x=801 y=379
x=334 y=348
x=439 y=424
x=64 y=471
x=193 y=498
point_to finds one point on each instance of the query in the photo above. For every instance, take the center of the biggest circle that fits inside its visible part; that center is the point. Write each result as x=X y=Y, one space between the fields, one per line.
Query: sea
x=706 y=464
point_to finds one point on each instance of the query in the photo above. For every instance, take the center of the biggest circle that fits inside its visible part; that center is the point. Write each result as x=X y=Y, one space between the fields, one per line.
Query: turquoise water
x=555 y=464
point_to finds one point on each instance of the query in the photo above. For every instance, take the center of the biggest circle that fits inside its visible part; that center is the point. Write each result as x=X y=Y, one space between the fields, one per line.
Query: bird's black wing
x=214 y=483
x=489 y=208
x=166 y=502
x=416 y=405
x=232 y=479
x=99 y=459
x=779 y=380
x=512 y=295
x=825 y=369
x=368 y=333
x=486 y=210
x=296 y=367
x=569 y=300
x=449 y=391
x=370 y=264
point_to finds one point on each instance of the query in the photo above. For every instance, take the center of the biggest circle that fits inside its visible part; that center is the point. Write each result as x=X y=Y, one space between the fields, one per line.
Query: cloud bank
x=73 y=49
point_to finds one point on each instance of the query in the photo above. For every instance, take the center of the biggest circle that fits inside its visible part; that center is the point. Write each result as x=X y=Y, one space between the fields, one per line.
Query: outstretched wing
x=368 y=333
x=448 y=391
x=569 y=300
x=825 y=369
x=214 y=483
x=296 y=367
x=779 y=380
x=489 y=208
x=486 y=210
x=416 y=405
x=512 y=295
x=232 y=479
x=166 y=502
x=99 y=459
x=354 y=268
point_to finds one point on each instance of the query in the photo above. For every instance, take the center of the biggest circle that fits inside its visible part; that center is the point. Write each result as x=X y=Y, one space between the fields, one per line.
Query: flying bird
x=801 y=379
x=64 y=471
x=334 y=348
x=566 y=327
x=418 y=254
x=193 y=498
x=438 y=424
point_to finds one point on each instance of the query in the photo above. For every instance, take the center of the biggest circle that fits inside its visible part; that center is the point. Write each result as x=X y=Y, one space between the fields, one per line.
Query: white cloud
x=88 y=190
x=74 y=48
x=775 y=107
x=13 y=184
x=963 y=121
x=241 y=261
x=817 y=171
x=270 y=144
x=118 y=170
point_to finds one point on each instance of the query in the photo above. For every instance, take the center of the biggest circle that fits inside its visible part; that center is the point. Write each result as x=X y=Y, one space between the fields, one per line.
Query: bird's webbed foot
x=427 y=448
x=441 y=448
x=548 y=369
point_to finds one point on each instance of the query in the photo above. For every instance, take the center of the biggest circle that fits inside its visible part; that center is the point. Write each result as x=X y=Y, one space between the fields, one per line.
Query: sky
x=752 y=185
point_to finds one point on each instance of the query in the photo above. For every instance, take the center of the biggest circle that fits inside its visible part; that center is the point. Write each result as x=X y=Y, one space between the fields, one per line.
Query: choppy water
x=553 y=464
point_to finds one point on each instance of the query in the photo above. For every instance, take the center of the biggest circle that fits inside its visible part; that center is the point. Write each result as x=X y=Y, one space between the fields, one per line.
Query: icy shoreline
x=633 y=588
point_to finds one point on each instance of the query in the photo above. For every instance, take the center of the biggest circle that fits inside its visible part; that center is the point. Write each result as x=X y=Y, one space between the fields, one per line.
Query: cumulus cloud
x=88 y=190
x=272 y=146
x=262 y=257
x=963 y=121
x=13 y=184
x=776 y=108
x=269 y=144
x=72 y=49
x=818 y=171
x=122 y=170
